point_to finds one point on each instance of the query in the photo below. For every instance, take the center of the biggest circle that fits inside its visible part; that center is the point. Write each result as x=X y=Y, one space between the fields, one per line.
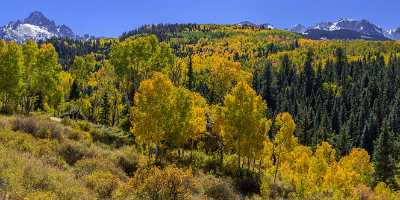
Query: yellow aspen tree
x=324 y=156
x=244 y=125
x=383 y=192
x=46 y=76
x=358 y=164
x=136 y=58
x=30 y=50
x=188 y=118
x=295 y=169
x=223 y=76
x=285 y=140
x=11 y=71
x=152 y=109
x=352 y=171
x=165 y=115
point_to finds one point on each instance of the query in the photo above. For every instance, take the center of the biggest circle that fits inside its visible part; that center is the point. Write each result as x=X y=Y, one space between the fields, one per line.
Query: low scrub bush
x=111 y=136
x=7 y=109
x=218 y=189
x=197 y=159
x=74 y=151
x=102 y=183
x=248 y=185
x=41 y=127
x=38 y=127
x=154 y=183
x=4 y=124
x=99 y=133
x=24 y=177
x=84 y=125
x=44 y=149
x=41 y=196
x=89 y=166
x=127 y=159
x=77 y=135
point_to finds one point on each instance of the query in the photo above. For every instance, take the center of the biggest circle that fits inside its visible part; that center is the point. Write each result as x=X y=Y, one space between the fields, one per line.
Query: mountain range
x=38 y=27
x=249 y=23
x=347 y=29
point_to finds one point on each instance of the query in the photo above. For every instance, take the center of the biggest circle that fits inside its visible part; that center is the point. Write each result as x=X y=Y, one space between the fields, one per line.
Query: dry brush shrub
x=37 y=127
x=102 y=183
x=154 y=184
x=89 y=166
x=77 y=135
x=97 y=133
x=41 y=196
x=43 y=128
x=73 y=151
x=127 y=159
x=44 y=149
x=217 y=188
x=275 y=189
x=4 y=123
x=23 y=176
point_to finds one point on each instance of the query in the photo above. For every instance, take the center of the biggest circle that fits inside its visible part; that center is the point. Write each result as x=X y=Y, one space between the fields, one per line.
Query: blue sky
x=112 y=17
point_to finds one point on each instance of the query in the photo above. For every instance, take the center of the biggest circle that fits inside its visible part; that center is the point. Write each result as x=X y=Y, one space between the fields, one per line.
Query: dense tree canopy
x=166 y=115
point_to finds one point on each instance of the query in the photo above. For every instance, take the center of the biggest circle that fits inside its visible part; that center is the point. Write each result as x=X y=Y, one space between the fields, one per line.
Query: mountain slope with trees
x=194 y=111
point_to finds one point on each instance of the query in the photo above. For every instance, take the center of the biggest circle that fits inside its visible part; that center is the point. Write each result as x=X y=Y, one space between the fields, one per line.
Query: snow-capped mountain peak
x=267 y=26
x=246 y=23
x=346 y=29
x=298 y=28
x=251 y=24
x=362 y=26
x=393 y=34
x=37 y=18
x=35 y=27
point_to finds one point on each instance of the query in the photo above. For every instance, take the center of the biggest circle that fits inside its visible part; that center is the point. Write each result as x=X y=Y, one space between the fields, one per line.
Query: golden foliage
x=308 y=174
x=244 y=127
x=163 y=112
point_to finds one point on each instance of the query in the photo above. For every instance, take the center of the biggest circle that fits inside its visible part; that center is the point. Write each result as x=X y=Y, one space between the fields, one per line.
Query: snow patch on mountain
x=249 y=23
x=347 y=29
x=35 y=27
x=393 y=34
x=361 y=26
x=22 y=32
x=267 y=26
x=298 y=28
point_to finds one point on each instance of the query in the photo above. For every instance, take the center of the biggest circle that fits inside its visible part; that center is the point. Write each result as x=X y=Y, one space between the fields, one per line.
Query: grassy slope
x=43 y=159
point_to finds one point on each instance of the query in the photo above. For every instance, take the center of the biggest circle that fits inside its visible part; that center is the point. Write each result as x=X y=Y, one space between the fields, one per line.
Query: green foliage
x=136 y=58
x=11 y=72
x=332 y=87
x=30 y=76
x=385 y=157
